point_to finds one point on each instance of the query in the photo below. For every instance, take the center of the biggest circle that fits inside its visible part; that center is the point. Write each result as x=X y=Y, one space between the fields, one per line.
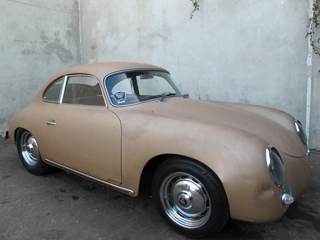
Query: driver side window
x=83 y=90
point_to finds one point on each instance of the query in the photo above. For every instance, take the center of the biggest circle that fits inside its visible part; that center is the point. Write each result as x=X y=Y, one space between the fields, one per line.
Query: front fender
x=237 y=157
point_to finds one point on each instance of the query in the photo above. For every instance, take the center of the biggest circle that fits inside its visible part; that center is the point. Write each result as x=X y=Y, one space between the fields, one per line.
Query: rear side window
x=84 y=90
x=52 y=93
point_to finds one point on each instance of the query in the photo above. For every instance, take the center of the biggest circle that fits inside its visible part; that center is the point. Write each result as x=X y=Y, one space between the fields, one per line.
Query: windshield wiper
x=166 y=94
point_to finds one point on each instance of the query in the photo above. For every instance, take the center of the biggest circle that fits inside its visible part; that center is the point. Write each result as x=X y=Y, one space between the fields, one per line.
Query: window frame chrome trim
x=63 y=89
x=126 y=71
x=82 y=75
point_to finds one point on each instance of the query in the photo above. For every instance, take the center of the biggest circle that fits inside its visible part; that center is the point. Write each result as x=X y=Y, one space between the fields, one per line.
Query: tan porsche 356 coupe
x=120 y=124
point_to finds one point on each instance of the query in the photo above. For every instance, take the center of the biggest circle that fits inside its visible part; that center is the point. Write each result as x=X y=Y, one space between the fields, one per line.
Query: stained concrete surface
x=38 y=39
x=62 y=206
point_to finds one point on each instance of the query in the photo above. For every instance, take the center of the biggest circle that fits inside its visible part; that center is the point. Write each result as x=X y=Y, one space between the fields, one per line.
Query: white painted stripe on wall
x=309 y=81
x=80 y=30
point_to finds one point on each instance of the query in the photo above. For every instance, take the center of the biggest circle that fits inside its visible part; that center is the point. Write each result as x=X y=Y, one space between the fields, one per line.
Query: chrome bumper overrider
x=287 y=196
x=308 y=153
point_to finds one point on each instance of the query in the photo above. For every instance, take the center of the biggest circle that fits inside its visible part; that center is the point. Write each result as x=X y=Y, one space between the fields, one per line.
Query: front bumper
x=264 y=203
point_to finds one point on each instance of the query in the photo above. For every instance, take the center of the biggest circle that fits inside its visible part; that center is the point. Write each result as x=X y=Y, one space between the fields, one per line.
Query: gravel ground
x=63 y=206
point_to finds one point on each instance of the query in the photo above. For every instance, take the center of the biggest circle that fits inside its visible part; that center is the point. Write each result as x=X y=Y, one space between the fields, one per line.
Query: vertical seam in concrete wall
x=80 y=31
x=309 y=81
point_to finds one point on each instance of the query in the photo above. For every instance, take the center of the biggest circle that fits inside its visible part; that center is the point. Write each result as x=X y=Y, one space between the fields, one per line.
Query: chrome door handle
x=51 y=123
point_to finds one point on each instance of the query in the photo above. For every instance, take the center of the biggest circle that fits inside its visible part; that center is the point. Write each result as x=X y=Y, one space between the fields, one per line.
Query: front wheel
x=29 y=153
x=190 y=197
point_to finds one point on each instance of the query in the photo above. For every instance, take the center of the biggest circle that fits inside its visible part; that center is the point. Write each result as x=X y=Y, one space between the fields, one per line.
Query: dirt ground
x=63 y=206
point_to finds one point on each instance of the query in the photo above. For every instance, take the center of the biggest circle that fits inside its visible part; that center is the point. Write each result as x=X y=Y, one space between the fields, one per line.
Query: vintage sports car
x=124 y=124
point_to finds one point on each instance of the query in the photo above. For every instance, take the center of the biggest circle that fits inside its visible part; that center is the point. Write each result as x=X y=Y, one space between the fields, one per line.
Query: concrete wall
x=242 y=51
x=38 y=39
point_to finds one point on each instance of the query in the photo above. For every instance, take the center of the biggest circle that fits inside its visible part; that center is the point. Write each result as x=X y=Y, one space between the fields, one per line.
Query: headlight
x=275 y=165
x=301 y=131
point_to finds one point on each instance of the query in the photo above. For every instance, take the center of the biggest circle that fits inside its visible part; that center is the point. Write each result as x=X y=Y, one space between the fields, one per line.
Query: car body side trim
x=121 y=189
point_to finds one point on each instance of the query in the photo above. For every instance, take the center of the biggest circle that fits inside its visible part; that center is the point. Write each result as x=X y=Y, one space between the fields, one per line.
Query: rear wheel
x=29 y=153
x=190 y=197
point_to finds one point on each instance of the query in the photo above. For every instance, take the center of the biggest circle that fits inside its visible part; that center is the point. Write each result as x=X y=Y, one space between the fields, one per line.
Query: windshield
x=139 y=86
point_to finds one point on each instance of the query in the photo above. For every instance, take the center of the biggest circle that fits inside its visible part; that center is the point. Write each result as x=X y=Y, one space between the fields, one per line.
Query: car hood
x=273 y=126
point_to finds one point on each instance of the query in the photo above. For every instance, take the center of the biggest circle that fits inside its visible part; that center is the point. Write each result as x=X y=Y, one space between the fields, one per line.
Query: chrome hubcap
x=185 y=200
x=29 y=149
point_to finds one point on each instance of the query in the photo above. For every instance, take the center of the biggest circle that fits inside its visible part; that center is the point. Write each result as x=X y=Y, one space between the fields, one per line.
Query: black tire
x=29 y=153
x=190 y=197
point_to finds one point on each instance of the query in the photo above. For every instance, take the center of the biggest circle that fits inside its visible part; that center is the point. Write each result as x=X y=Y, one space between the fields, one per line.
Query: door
x=82 y=134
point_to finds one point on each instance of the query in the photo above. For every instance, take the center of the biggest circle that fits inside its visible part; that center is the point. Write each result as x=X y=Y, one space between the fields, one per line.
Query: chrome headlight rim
x=273 y=159
x=300 y=130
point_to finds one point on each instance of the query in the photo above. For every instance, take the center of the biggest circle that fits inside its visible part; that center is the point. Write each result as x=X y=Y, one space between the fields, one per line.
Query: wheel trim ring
x=29 y=149
x=174 y=212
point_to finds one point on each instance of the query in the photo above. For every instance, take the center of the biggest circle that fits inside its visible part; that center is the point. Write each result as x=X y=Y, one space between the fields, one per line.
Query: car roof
x=102 y=69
